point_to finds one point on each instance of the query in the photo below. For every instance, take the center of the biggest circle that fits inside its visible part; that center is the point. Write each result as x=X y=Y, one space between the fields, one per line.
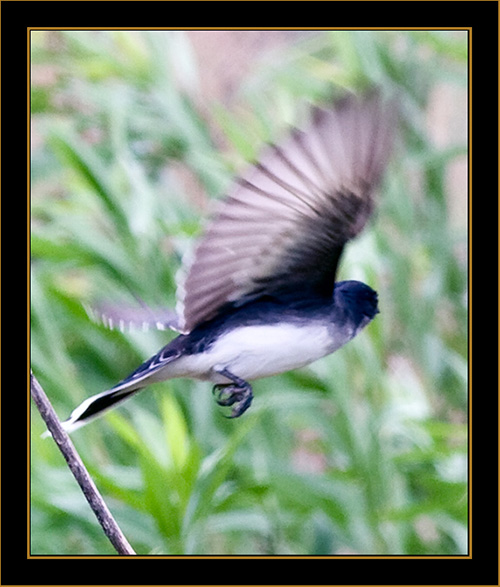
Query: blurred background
x=134 y=135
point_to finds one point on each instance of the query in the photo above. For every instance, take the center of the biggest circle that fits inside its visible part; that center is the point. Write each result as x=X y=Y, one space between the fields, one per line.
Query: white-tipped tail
x=95 y=406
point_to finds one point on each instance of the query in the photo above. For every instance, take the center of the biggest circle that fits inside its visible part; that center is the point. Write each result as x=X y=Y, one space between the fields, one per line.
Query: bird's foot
x=229 y=394
x=238 y=394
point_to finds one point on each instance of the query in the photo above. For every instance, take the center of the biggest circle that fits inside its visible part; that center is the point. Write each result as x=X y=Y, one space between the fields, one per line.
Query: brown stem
x=75 y=463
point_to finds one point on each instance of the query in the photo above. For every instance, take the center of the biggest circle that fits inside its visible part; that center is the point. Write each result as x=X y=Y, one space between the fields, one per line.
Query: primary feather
x=288 y=217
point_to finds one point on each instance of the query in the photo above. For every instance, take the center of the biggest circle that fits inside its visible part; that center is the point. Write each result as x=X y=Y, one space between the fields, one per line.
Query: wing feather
x=286 y=220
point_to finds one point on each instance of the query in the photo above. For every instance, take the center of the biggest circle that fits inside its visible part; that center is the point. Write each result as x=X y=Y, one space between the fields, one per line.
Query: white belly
x=252 y=352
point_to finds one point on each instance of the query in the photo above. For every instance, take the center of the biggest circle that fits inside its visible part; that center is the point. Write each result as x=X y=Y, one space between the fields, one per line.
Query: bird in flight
x=260 y=296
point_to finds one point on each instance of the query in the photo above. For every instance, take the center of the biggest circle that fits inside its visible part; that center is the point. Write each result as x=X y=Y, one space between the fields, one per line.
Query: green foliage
x=363 y=452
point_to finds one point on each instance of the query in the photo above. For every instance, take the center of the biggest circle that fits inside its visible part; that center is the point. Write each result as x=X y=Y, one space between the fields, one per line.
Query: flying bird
x=260 y=296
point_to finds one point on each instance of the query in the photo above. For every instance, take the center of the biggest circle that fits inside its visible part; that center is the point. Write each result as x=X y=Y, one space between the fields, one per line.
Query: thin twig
x=92 y=495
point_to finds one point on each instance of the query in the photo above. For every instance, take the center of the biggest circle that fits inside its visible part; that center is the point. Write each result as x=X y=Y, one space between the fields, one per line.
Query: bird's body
x=260 y=297
x=262 y=338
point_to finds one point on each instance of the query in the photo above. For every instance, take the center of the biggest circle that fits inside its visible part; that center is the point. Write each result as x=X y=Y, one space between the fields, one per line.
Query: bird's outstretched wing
x=285 y=222
x=129 y=317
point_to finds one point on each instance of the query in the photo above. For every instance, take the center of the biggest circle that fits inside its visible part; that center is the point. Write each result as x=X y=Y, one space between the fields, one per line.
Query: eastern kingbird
x=260 y=296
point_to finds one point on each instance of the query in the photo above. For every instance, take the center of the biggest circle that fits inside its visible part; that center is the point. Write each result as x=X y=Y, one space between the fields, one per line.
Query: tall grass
x=363 y=452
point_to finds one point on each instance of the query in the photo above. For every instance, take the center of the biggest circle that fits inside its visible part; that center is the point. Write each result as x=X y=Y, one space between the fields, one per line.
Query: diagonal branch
x=92 y=495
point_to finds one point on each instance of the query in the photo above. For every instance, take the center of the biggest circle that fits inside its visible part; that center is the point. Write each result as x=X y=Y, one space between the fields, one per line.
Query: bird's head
x=357 y=302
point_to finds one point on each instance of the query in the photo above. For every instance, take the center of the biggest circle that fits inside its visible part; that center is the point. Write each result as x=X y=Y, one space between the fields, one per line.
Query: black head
x=356 y=301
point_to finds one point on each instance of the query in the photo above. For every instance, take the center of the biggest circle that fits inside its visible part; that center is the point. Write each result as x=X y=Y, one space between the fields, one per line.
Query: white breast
x=252 y=352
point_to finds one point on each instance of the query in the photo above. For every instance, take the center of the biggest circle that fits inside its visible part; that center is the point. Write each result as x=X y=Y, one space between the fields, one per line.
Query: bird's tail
x=144 y=375
x=95 y=406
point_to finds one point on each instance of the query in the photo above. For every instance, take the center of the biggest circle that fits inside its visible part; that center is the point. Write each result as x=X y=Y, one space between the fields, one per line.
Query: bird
x=259 y=297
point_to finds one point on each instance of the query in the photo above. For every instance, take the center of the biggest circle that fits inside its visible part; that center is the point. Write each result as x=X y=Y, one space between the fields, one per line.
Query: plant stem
x=75 y=463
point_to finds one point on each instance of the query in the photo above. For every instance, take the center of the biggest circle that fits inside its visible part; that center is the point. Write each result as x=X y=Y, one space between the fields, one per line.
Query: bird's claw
x=228 y=394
